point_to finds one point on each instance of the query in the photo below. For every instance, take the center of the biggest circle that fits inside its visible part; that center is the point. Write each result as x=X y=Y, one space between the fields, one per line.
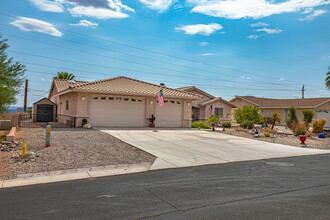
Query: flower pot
x=302 y=139
x=152 y=125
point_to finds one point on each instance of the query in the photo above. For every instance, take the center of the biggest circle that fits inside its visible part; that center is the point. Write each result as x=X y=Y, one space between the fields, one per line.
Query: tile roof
x=216 y=100
x=193 y=88
x=122 y=85
x=281 y=103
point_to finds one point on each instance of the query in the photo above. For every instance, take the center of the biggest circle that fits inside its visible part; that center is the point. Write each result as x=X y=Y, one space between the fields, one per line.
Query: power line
x=243 y=42
x=78 y=50
x=201 y=85
x=124 y=69
x=155 y=52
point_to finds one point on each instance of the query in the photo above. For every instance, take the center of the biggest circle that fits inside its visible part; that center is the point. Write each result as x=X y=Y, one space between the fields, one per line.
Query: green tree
x=327 y=80
x=213 y=120
x=292 y=121
x=276 y=117
x=65 y=75
x=247 y=113
x=308 y=117
x=11 y=77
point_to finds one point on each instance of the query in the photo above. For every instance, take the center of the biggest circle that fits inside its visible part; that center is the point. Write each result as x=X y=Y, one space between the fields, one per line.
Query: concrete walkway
x=189 y=147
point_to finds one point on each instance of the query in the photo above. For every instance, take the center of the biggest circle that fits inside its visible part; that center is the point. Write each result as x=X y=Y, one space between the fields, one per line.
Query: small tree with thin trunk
x=327 y=80
x=213 y=120
x=276 y=117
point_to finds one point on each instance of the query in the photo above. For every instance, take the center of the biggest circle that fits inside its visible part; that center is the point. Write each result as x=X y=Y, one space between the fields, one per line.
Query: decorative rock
x=87 y=126
x=5 y=142
x=16 y=143
x=256 y=135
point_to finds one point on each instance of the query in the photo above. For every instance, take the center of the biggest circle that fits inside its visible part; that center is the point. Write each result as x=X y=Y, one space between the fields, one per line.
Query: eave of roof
x=219 y=99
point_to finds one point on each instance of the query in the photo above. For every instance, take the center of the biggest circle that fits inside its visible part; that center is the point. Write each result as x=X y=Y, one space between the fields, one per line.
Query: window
x=178 y=102
x=126 y=99
x=133 y=100
x=172 y=101
x=166 y=101
x=219 y=112
x=118 y=98
x=110 y=98
x=140 y=100
x=67 y=104
x=96 y=97
x=103 y=98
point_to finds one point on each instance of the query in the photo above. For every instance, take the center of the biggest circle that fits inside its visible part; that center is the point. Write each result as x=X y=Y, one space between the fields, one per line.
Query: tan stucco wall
x=240 y=103
x=325 y=106
x=226 y=110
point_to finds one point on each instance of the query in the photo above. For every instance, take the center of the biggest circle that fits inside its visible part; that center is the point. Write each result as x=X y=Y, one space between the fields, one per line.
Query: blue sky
x=225 y=47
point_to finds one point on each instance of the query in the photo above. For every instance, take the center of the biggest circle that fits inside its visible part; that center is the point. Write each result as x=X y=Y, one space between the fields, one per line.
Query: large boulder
x=87 y=126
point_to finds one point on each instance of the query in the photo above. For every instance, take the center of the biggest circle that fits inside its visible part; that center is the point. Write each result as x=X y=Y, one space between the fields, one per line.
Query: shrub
x=213 y=120
x=247 y=114
x=308 y=117
x=247 y=124
x=226 y=124
x=276 y=117
x=318 y=126
x=292 y=120
x=200 y=124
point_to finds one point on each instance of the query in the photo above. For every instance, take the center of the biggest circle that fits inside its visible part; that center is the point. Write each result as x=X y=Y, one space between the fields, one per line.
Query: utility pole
x=25 y=95
x=303 y=92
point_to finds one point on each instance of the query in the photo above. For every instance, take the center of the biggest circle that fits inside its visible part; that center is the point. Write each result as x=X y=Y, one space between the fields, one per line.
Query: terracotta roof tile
x=123 y=85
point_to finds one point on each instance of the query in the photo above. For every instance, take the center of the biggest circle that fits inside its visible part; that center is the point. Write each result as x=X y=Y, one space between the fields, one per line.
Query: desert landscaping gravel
x=313 y=141
x=73 y=148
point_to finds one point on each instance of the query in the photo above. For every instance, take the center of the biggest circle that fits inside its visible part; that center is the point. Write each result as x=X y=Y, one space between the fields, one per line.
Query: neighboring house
x=201 y=108
x=321 y=106
x=121 y=102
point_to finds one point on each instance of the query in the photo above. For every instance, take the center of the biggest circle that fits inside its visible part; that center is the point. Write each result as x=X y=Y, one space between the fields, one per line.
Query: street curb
x=66 y=175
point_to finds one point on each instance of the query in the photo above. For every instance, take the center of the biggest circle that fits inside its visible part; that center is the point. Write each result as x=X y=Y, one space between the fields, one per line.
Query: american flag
x=160 y=98
x=211 y=107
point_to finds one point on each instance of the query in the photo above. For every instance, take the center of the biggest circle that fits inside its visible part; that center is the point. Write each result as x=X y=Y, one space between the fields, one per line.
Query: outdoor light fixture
x=151 y=102
x=83 y=98
x=188 y=104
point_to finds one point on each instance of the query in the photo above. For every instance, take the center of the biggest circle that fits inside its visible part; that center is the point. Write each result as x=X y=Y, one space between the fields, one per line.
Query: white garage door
x=117 y=111
x=169 y=115
x=326 y=115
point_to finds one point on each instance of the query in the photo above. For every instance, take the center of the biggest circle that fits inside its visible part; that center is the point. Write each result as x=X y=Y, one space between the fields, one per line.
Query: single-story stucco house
x=201 y=107
x=321 y=106
x=121 y=102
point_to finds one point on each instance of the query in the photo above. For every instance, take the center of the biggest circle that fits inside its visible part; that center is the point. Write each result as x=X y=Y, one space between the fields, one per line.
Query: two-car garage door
x=117 y=111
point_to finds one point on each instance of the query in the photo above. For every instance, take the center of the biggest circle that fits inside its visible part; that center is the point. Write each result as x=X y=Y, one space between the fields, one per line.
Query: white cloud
x=100 y=13
x=243 y=77
x=100 y=9
x=46 y=5
x=31 y=24
x=270 y=31
x=313 y=15
x=203 y=44
x=237 y=9
x=282 y=79
x=160 y=5
x=259 y=24
x=42 y=79
x=204 y=29
x=86 y=23
x=253 y=36
x=207 y=54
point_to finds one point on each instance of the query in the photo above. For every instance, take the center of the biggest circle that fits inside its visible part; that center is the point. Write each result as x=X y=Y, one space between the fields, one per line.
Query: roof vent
x=162 y=84
x=71 y=81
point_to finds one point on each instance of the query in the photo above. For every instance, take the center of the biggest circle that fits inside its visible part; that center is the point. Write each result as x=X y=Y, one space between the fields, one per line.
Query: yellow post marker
x=23 y=149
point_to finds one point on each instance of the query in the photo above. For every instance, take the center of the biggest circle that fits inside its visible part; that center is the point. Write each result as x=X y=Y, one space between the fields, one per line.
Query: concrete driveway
x=189 y=147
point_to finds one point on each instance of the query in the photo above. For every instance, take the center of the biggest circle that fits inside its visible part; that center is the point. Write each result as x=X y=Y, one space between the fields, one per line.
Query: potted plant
x=152 y=119
x=301 y=131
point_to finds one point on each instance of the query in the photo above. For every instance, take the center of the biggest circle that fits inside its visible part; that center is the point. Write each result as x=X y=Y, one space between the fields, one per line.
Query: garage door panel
x=117 y=113
x=169 y=115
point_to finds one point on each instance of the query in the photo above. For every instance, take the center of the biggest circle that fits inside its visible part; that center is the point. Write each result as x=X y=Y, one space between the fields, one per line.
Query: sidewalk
x=65 y=175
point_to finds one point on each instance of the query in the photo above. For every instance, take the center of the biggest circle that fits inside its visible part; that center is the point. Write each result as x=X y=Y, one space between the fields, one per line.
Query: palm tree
x=213 y=120
x=276 y=117
x=65 y=75
x=327 y=80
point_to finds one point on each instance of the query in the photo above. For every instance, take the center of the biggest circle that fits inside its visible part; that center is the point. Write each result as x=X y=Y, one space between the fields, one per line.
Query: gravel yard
x=288 y=139
x=73 y=148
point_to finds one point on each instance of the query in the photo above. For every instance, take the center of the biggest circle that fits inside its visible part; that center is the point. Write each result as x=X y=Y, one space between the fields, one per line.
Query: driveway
x=189 y=147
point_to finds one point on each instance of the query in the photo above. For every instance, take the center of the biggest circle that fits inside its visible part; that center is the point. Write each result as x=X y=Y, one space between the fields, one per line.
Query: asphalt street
x=282 y=188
